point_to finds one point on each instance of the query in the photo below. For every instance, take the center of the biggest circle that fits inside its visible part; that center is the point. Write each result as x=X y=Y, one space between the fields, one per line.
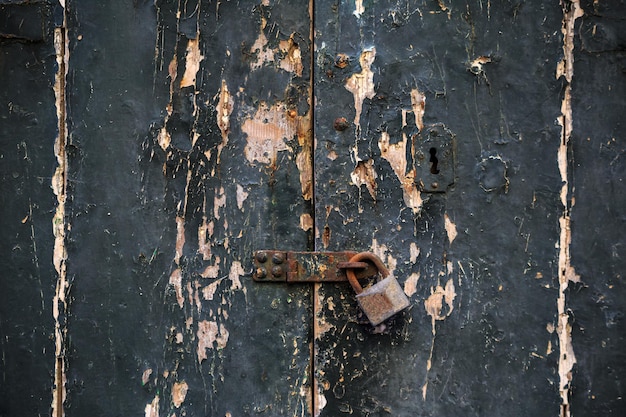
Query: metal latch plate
x=435 y=159
x=295 y=267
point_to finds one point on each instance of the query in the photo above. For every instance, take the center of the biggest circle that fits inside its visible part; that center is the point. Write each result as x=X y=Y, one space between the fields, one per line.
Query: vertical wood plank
x=28 y=128
x=479 y=261
x=190 y=127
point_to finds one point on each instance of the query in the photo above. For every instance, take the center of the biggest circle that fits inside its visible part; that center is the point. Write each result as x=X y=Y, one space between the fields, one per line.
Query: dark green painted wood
x=213 y=345
x=27 y=162
x=490 y=352
x=597 y=303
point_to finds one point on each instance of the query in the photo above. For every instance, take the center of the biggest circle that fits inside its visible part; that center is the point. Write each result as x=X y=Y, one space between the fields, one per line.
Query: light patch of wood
x=242 y=195
x=267 y=132
x=152 y=409
x=395 y=154
x=145 y=377
x=414 y=252
x=358 y=8
x=176 y=280
x=193 y=57
x=306 y=222
x=208 y=292
x=292 y=61
x=450 y=228
x=263 y=53
x=361 y=85
x=164 y=138
x=179 y=392
x=236 y=271
x=410 y=285
x=418 y=103
x=205 y=231
x=567 y=274
x=304 y=159
x=224 y=110
x=365 y=174
x=211 y=271
x=219 y=201
x=180 y=238
x=210 y=336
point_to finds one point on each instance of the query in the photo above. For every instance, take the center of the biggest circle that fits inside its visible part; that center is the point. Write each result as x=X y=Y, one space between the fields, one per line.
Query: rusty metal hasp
x=295 y=267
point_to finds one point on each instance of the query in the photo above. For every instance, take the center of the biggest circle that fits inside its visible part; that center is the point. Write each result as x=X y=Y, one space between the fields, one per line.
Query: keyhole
x=433 y=161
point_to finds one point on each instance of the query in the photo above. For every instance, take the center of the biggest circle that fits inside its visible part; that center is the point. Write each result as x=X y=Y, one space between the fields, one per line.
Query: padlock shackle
x=365 y=256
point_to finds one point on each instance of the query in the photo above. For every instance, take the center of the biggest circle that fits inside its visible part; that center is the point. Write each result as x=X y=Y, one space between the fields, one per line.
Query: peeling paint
x=176 y=280
x=267 y=132
x=193 y=57
x=152 y=409
x=263 y=53
x=361 y=85
x=59 y=222
x=358 y=8
x=410 y=285
x=450 y=228
x=565 y=68
x=242 y=195
x=306 y=222
x=396 y=154
x=224 y=110
x=418 y=103
x=365 y=174
x=205 y=231
x=292 y=61
x=179 y=392
x=236 y=271
x=414 y=252
x=210 y=335
x=180 y=238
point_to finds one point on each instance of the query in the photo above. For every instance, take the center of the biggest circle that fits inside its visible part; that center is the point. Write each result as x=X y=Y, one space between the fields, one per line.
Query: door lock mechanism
x=379 y=301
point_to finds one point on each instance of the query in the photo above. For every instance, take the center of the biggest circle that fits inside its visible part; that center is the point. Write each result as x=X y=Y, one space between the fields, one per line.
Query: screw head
x=341 y=124
x=277 y=271
x=434 y=185
x=342 y=60
x=261 y=257
x=278 y=258
x=261 y=273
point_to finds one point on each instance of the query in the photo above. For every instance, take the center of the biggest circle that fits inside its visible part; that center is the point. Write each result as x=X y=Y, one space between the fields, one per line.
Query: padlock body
x=382 y=300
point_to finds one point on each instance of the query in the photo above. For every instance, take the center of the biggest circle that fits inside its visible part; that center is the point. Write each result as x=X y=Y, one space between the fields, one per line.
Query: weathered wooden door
x=474 y=146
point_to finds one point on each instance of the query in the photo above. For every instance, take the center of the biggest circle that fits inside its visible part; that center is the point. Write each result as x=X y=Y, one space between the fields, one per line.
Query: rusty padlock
x=383 y=299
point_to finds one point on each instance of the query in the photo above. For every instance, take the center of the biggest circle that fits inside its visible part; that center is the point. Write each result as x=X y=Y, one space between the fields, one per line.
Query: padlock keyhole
x=433 y=161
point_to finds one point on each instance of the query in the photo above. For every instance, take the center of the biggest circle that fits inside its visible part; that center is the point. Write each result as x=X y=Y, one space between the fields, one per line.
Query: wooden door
x=473 y=146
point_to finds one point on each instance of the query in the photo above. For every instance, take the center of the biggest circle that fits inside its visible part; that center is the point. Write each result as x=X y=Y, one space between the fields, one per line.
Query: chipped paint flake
x=567 y=274
x=145 y=377
x=179 y=392
x=152 y=409
x=410 y=285
x=414 y=252
x=418 y=103
x=208 y=292
x=176 y=280
x=210 y=335
x=236 y=271
x=306 y=222
x=193 y=57
x=292 y=61
x=263 y=53
x=180 y=238
x=358 y=8
x=224 y=110
x=361 y=85
x=395 y=154
x=242 y=195
x=450 y=228
x=267 y=133
x=365 y=174
x=205 y=231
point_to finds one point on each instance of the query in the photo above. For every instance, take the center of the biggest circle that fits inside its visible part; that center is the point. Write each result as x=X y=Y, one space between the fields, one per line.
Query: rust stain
x=361 y=85
x=179 y=392
x=567 y=274
x=193 y=57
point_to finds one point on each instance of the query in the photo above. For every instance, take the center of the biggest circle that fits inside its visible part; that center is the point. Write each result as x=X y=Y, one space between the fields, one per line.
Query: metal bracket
x=435 y=159
x=302 y=267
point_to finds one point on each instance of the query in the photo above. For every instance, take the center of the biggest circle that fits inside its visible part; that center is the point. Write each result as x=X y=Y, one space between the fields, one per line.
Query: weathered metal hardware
x=294 y=267
x=383 y=299
x=434 y=162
